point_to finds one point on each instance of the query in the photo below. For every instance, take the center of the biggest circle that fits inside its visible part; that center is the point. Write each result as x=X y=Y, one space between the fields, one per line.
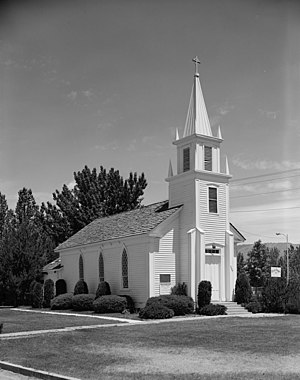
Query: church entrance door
x=212 y=274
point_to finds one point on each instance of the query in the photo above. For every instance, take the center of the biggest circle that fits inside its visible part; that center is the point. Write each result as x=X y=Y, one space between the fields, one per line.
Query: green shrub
x=254 y=307
x=179 y=289
x=274 y=295
x=204 y=293
x=156 y=311
x=213 y=309
x=37 y=295
x=243 y=292
x=130 y=303
x=181 y=305
x=293 y=297
x=48 y=292
x=62 y=302
x=109 y=304
x=103 y=289
x=291 y=308
x=29 y=294
x=60 y=287
x=81 y=287
x=83 y=302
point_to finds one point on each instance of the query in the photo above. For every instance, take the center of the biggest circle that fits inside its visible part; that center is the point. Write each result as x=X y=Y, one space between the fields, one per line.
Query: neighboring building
x=53 y=270
x=144 y=252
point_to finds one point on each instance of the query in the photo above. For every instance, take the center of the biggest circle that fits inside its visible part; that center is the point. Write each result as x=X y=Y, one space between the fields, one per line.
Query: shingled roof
x=129 y=223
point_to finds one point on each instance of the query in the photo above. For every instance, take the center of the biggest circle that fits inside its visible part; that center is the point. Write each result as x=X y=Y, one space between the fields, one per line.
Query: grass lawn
x=221 y=348
x=17 y=321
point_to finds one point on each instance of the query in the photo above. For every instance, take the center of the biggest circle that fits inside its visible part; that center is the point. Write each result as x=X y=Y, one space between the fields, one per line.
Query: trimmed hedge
x=130 y=303
x=62 y=302
x=179 y=289
x=103 y=289
x=109 y=304
x=83 y=302
x=213 y=309
x=60 y=287
x=37 y=295
x=204 y=293
x=81 y=287
x=254 y=307
x=156 y=311
x=181 y=305
x=48 y=292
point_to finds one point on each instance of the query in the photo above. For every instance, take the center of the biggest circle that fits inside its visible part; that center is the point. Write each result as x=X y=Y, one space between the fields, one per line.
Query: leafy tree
x=96 y=195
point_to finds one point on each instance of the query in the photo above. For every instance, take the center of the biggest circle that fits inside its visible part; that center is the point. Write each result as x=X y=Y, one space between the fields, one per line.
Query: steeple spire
x=197 y=120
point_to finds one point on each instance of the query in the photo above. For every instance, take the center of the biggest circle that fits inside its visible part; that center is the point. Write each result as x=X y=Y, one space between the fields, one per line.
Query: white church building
x=188 y=238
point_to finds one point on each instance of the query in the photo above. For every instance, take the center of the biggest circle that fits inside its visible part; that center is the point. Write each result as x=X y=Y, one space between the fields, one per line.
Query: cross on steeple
x=197 y=62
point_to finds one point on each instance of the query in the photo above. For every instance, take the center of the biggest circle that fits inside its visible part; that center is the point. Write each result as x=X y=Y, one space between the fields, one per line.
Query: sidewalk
x=7 y=375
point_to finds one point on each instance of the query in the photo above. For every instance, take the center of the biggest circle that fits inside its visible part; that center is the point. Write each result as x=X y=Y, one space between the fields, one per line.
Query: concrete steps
x=233 y=308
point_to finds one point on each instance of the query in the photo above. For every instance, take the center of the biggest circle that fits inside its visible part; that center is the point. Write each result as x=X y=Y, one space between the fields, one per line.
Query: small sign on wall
x=165 y=284
x=275 y=271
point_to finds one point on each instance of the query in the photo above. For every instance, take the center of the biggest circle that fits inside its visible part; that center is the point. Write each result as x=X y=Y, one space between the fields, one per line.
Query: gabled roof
x=56 y=264
x=238 y=237
x=125 y=224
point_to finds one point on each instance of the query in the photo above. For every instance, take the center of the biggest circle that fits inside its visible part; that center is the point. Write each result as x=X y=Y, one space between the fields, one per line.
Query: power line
x=265 y=175
x=251 y=233
x=265 y=180
x=265 y=210
x=268 y=192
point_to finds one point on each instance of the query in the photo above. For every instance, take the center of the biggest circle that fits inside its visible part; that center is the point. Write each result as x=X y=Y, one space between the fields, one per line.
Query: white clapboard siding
x=214 y=225
x=161 y=263
x=166 y=242
x=164 y=264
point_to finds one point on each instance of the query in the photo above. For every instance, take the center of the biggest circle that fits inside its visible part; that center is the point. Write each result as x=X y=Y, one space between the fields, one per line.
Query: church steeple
x=197 y=121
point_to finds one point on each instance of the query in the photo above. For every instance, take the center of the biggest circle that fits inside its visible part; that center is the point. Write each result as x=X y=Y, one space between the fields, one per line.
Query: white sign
x=275 y=271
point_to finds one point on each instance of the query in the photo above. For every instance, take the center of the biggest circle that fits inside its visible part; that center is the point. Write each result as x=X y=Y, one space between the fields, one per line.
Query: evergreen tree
x=3 y=212
x=257 y=264
x=23 y=247
x=240 y=263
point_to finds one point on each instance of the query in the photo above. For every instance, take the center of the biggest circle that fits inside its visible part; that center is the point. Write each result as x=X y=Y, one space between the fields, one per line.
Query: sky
x=107 y=82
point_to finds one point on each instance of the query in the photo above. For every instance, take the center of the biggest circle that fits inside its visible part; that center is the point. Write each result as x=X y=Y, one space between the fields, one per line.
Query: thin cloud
x=268 y=114
x=248 y=164
x=109 y=146
x=72 y=95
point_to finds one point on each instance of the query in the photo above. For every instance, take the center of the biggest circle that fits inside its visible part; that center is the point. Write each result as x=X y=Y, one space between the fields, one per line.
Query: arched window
x=101 y=267
x=81 y=269
x=124 y=269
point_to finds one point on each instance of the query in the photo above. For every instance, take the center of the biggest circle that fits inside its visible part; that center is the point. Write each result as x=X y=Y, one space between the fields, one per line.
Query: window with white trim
x=208 y=158
x=213 y=200
x=81 y=268
x=186 y=159
x=124 y=269
x=101 y=267
x=164 y=278
x=212 y=251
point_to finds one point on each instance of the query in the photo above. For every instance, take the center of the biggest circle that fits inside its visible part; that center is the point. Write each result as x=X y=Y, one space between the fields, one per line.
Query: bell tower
x=203 y=190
